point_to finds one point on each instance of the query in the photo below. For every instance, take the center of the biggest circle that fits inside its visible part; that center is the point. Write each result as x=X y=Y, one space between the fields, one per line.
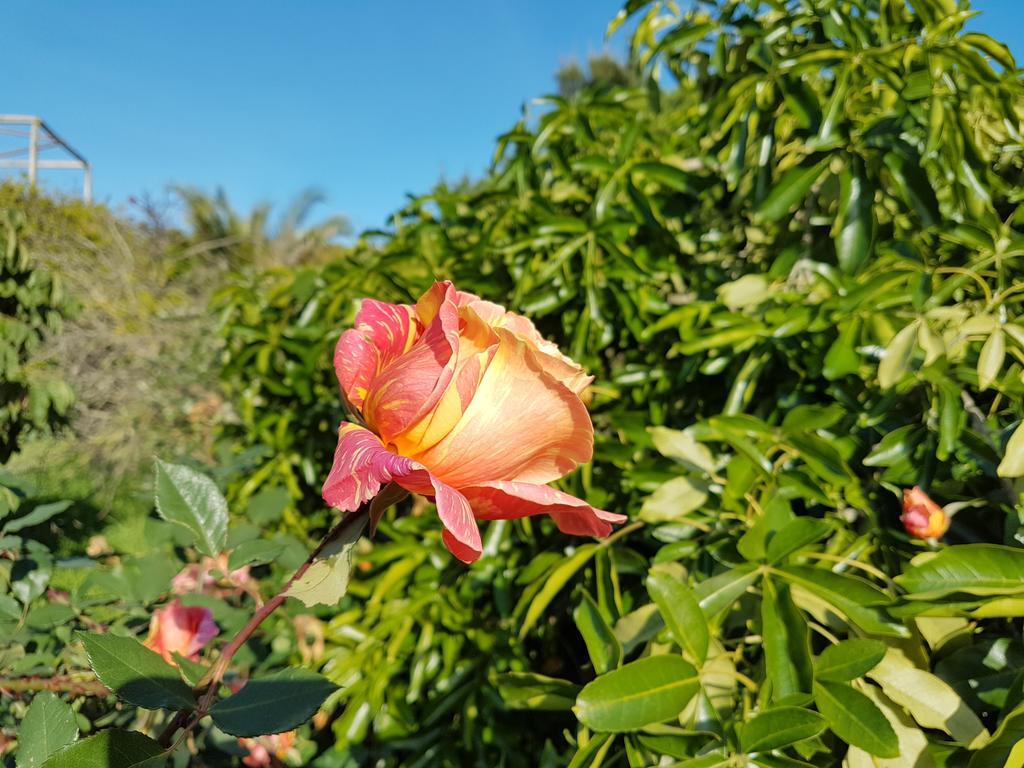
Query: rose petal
x=562 y=368
x=521 y=424
x=505 y=500
x=361 y=466
x=409 y=388
x=461 y=534
x=381 y=334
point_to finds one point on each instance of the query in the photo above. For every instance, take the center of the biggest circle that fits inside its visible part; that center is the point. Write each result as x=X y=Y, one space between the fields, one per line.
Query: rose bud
x=177 y=629
x=923 y=518
x=465 y=403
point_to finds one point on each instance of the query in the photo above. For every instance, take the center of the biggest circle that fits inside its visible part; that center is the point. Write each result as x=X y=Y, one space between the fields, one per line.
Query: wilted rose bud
x=468 y=404
x=923 y=518
x=177 y=629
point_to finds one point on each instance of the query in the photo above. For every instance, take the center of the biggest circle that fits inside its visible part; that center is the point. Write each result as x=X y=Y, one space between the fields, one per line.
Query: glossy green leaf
x=898 y=355
x=855 y=719
x=136 y=674
x=719 y=592
x=848 y=660
x=272 y=704
x=558 y=578
x=192 y=500
x=650 y=690
x=977 y=569
x=794 y=536
x=779 y=727
x=603 y=647
x=786 y=640
x=790 y=190
x=856 y=223
x=681 y=611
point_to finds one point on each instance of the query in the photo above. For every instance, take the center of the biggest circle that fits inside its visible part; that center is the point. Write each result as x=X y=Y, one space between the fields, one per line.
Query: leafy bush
x=32 y=306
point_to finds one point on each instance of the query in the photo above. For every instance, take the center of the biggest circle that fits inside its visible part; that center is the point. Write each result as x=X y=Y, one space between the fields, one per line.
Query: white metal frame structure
x=40 y=138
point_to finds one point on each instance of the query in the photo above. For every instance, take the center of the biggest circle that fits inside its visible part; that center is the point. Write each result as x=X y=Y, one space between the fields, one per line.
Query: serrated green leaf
x=273 y=704
x=136 y=674
x=48 y=726
x=192 y=500
x=108 y=749
x=650 y=690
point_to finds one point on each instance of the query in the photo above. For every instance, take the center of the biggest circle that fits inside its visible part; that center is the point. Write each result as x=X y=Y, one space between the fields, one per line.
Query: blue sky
x=362 y=99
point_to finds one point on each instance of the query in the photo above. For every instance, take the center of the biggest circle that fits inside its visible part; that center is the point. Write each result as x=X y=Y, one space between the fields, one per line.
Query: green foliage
x=790 y=259
x=279 y=702
x=32 y=305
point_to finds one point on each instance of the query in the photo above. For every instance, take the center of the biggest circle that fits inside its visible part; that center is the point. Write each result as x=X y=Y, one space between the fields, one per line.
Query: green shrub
x=792 y=260
x=32 y=306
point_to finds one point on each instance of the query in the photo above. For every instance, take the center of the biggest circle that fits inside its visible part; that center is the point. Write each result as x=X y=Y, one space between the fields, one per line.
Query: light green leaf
x=326 y=580
x=136 y=674
x=1012 y=464
x=898 y=354
x=48 y=726
x=929 y=699
x=990 y=360
x=650 y=690
x=848 y=659
x=108 y=749
x=273 y=704
x=779 y=727
x=856 y=225
x=747 y=291
x=913 y=744
x=681 y=446
x=855 y=719
x=977 y=569
x=681 y=612
x=673 y=500
x=192 y=500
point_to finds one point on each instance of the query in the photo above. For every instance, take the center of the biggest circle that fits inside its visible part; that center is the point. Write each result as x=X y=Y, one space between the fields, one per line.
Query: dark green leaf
x=529 y=691
x=603 y=647
x=790 y=190
x=273 y=704
x=786 y=638
x=794 y=536
x=108 y=749
x=977 y=569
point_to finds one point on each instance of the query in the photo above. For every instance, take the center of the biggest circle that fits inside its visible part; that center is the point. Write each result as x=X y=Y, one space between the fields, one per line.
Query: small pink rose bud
x=264 y=748
x=177 y=629
x=923 y=518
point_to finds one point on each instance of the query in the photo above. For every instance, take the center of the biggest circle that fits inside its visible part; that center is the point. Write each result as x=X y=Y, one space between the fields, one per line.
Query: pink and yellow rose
x=466 y=403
